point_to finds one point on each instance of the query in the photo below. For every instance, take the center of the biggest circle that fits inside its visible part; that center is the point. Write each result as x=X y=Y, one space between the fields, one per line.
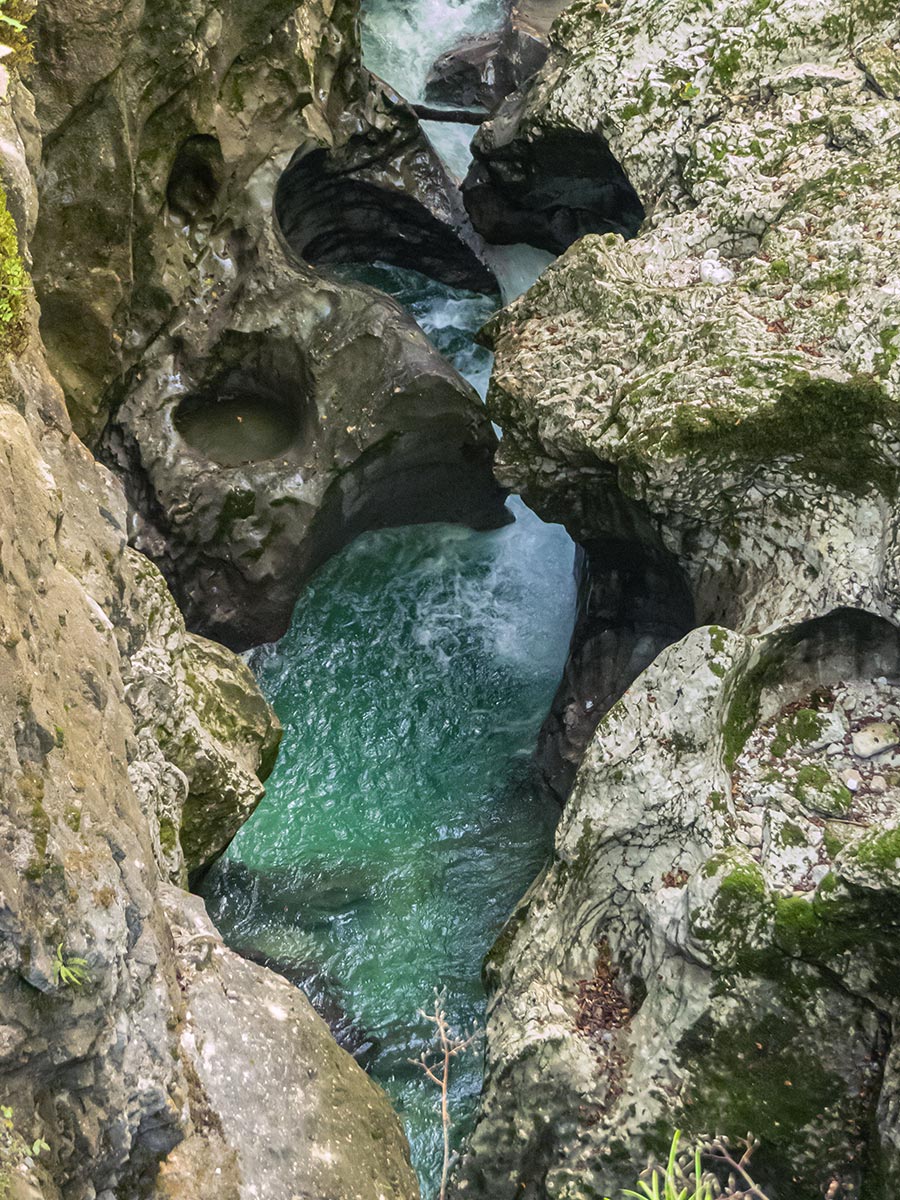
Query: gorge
x=449 y=542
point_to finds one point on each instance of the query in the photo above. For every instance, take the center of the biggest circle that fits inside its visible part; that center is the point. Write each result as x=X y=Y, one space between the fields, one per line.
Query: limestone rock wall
x=125 y=738
x=734 y=365
x=714 y=946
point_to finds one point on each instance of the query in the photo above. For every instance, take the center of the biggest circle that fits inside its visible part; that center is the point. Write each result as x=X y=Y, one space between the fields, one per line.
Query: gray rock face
x=198 y=707
x=263 y=415
x=193 y=112
x=255 y=450
x=282 y=1090
x=707 y=949
x=116 y=748
x=715 y=945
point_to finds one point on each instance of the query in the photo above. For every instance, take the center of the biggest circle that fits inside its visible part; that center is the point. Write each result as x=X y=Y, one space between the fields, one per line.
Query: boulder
x=714 y=946
x=253 y=1038
x=258 y=443
x=482 y=71
x=199 y=706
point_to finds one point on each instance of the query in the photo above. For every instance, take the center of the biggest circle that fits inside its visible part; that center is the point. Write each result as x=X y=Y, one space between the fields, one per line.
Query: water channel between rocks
x=402 y=820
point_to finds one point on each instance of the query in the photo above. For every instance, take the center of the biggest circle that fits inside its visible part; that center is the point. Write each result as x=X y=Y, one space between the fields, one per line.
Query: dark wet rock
x=547 y=186
x=632 y=603
x=381 y=195
x=482 y=71
x=256 y=450
x=263 y=415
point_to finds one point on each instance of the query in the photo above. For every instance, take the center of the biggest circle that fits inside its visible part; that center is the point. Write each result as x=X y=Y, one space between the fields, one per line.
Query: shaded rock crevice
x=385 y=198
x=632 y=603
x=545 y=187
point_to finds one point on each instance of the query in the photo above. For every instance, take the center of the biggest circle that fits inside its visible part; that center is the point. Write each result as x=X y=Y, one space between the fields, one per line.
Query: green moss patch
x=816 y=788
x=14 y=18
x=800 y=727
x=13 y=285
x=881 y=852
x=827 y=426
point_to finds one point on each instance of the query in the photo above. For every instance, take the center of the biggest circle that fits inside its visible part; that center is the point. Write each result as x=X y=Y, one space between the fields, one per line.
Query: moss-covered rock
x=762 y=954
x=735 y=363
x=14 y=284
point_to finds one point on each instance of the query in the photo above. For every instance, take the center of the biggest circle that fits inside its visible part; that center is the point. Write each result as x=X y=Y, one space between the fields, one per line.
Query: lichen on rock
x=756 y=952
x=734 y=365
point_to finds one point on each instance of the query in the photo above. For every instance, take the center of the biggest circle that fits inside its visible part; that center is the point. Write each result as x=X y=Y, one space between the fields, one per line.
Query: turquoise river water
x=402 y=820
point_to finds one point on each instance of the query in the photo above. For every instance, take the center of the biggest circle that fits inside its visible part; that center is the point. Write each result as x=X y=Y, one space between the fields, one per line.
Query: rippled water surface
x=402 y=821
x=402 y=38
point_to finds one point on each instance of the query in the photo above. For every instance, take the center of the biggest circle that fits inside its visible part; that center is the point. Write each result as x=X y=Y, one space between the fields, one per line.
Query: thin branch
x=449 y=1046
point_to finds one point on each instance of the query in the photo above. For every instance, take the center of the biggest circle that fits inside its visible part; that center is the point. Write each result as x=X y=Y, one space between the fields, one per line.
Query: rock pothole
x=240 y=422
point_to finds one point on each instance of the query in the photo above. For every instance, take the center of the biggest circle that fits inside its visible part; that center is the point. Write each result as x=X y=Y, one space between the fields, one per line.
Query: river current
x=402 y=820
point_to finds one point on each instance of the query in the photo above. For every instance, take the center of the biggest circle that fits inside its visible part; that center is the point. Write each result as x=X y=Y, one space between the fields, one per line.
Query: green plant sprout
x=14 y=18
x=14 y=1150
x=677 y=1183
x=69 y=970
x=6 y=19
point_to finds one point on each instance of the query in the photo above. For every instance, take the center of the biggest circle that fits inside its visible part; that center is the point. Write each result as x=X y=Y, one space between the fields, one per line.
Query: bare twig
x=718 y=1150
x=435 y=1065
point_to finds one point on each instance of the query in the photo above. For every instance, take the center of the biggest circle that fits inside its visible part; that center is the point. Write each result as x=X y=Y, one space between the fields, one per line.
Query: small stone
x=715 y=272
x=851 y=780
x=878 y=783
x=832 y=728
x=875 y=739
